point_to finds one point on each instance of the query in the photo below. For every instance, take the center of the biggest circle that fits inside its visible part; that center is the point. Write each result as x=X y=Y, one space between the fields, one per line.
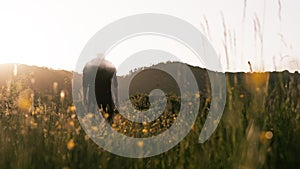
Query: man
x=99 y=75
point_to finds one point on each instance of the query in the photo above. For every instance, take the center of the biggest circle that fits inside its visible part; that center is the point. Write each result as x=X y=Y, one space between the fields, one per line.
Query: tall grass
x=251 y=134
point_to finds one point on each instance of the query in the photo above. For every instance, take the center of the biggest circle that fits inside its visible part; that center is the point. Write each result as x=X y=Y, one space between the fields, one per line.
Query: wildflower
x=33 y=124
x=38 y=110
x=72 y=108
x=140 y=143
x=94 y=128
x=71 y=123
x=70 y=144
x=24 y=103
x=89 y=115
x=73 y=116
x=25 y=100
x=268 y=135
x=62 y=94
x=106 y=115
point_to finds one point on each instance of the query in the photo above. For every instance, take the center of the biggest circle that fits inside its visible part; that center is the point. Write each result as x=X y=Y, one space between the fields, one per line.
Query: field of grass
x=260 y=128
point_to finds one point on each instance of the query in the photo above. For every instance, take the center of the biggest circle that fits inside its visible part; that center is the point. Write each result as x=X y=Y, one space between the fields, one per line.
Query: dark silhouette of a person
x=99 y=86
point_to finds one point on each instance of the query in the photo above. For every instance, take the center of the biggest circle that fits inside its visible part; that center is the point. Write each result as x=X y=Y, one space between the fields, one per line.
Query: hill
x=43 y=80
x=49 y=82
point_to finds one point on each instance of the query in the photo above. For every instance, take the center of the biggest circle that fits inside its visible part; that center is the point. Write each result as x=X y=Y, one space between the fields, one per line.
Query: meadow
x=260 y=128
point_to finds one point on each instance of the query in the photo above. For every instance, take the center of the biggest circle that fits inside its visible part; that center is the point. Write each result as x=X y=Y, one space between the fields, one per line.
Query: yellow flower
x=71 y=144
x=268 y=135
x=33 y=124
x=73 y=116
x=72 y=108
x=106 y=115
x=71 y=123
x=38 y=110
x=24 y=103
x=113 y=125
x=94 y=128
x=140 y=143
x=90 y=115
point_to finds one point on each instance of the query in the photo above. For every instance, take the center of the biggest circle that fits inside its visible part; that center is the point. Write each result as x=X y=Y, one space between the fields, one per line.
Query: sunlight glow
x=53 y=33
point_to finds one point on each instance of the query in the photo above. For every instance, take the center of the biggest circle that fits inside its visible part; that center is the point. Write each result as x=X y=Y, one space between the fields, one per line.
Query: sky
x=52 y=33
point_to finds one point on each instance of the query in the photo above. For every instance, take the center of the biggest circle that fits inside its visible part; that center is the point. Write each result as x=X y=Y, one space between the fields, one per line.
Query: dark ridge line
x=154 y=65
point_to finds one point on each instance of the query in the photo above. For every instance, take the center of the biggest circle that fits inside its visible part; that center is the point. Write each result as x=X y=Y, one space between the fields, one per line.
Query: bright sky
x=52 y=33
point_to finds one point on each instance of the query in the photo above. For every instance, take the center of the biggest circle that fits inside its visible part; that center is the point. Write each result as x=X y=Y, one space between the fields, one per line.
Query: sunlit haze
x=53 y=33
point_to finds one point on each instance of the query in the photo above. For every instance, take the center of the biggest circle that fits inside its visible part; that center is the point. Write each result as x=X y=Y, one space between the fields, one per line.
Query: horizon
x=141 y=68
